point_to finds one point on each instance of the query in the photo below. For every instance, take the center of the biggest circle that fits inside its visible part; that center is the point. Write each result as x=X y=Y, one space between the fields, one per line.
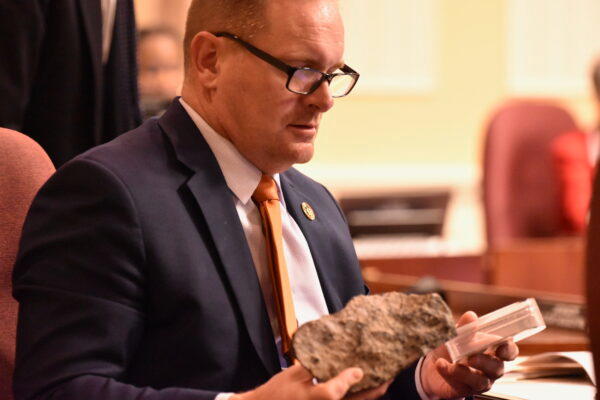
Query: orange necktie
x=268 y=202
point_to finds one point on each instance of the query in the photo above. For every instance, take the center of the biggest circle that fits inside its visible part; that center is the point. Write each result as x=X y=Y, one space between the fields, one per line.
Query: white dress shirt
x=109 y=8
x=242 y=178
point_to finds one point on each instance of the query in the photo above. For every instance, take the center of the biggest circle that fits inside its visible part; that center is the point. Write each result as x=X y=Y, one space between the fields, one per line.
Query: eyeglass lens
x=304 y=80
x=341 y=85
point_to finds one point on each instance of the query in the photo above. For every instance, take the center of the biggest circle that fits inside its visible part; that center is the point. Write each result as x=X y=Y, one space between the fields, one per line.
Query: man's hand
x=442 y=379
x=296 y=383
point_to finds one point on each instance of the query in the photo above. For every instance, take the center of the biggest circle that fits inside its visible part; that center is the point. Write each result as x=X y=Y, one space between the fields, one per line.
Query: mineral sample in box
x=382 y=334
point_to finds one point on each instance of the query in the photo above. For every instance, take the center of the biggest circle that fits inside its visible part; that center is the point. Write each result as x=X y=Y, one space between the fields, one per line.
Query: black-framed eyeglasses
x=304 y=80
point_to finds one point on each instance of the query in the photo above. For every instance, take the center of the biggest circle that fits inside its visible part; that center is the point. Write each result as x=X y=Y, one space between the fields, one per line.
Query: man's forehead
x=304 y=23
x=298 y=16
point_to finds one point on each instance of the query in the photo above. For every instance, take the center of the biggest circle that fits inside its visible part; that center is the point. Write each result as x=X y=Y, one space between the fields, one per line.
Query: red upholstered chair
x=24 y=167
x=520 y=189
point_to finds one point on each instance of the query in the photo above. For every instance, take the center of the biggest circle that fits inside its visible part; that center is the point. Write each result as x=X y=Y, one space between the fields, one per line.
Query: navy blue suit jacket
x=135 y=280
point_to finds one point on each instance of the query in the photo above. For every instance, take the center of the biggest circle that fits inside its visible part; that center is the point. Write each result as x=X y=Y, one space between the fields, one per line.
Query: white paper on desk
x=551 y=364
x=544 y=389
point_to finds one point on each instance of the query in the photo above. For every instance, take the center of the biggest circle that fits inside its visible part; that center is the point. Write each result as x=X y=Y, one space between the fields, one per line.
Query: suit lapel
x=214 y=198
x=317 y=240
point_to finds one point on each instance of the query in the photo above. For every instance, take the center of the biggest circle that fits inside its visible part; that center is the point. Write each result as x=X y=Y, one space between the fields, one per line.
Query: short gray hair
x=240 y=17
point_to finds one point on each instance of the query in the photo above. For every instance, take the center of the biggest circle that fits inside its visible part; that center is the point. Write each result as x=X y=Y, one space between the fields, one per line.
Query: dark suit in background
x=593 y=274
x=135 y=280
x=53 y=84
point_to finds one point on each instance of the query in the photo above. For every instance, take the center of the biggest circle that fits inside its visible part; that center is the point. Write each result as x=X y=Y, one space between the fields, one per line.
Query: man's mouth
x=304 y=126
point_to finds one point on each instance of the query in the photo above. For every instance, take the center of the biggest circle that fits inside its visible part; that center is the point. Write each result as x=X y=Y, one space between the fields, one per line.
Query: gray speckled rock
x=382 y=334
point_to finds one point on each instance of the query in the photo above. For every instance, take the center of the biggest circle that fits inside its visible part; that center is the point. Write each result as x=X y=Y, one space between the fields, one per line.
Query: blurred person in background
x=68 y=72
x=160 y=62
x=574 y=155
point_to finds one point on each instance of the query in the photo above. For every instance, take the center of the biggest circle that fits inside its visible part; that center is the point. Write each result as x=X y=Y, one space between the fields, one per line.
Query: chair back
x=520 y=189
x=24 y=167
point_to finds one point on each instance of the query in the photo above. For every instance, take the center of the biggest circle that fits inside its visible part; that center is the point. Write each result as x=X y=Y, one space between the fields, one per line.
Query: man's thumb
x=345 y=380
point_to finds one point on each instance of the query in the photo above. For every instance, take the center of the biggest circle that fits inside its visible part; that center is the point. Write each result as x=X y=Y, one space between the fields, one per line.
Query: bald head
x=244 y=96
x=240 y=17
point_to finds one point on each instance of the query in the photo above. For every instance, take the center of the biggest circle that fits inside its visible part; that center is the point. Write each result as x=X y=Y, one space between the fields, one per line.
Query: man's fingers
x=371 y=394
x=507 y=351
x=491 y=366
x=441 y=351
x=443 y=367
x=463 y=379
x=336 y=388
x=467 y=317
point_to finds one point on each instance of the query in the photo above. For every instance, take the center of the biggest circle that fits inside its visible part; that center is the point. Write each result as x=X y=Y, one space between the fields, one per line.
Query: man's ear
x=204 y=55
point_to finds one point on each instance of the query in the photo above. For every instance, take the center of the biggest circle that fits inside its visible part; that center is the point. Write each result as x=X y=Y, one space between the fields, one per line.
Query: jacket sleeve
x=404 y=386
x=79 y=281
x=22 y=27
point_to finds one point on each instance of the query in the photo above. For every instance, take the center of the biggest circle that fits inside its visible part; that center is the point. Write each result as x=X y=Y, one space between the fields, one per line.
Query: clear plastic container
x=517 y=321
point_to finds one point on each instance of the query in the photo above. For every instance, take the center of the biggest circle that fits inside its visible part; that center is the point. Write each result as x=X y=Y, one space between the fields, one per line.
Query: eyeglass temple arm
x=348 y=70
x=259 y=53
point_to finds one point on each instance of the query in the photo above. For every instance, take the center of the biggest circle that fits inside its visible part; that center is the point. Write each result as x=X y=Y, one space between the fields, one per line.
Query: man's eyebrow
x=314 y=62
x=339 y=65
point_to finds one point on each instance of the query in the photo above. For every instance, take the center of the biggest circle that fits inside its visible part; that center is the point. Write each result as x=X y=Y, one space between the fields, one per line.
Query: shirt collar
x=241 y=176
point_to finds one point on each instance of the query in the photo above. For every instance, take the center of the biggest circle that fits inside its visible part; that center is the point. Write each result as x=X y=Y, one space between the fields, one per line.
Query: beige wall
x=446 y=125
x=369 y=143
x=443 y=127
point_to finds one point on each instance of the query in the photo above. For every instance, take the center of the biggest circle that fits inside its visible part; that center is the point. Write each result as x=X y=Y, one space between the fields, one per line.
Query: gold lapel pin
x=308 y=211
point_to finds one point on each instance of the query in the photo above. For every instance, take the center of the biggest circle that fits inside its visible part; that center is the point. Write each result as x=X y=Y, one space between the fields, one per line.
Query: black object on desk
x=415 y=213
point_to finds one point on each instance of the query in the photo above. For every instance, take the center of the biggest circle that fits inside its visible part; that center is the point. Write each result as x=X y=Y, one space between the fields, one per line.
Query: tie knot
x=266 y=190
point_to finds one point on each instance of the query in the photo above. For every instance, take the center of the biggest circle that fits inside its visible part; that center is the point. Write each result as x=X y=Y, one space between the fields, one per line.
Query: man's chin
x=304 y=154
x=295 y=156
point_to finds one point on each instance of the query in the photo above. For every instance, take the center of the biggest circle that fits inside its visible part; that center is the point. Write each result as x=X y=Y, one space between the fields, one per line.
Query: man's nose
x=321 y=98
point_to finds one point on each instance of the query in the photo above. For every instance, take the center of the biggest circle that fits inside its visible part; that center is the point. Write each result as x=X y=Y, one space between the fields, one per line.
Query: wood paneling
x=481 y=298
x=553 y=265
x=460 y=268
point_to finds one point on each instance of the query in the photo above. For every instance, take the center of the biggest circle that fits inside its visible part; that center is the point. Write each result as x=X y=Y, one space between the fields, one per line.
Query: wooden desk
x=469 y=268
x=554 y=339
x=481 y=298
x=552 y=264
x=549 y=265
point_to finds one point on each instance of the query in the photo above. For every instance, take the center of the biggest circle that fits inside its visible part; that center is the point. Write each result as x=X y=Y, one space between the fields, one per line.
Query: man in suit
x=592 y=276
x=592 y=258
x=68 y=72
x=141 y=272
